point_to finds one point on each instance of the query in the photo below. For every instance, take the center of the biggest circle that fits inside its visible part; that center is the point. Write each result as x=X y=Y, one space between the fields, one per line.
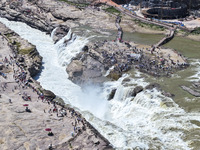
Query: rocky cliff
x=25 y=53
x=49 y=14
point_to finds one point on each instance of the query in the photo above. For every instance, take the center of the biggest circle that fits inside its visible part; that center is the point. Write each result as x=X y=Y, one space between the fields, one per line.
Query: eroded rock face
x=112 y=94
x=49 y=14
x=25 y=53
x=59 y=33
x=97 y=62
x=49 y=94
x=75 y=69
x=34 y=13
x=85 y=69
x=137 y=90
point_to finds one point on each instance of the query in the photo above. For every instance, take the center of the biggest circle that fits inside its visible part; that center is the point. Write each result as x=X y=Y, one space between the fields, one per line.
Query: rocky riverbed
x=100 y=61
x=45 y=15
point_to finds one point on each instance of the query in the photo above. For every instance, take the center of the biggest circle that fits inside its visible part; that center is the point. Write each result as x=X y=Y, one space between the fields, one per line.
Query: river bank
x=18 y=88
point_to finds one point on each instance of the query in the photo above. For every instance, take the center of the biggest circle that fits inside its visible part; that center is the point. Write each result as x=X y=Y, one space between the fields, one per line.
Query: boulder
x=112 y=94
x=152 y=85
x=137 y=90
x=49 y=94
x=75 y=68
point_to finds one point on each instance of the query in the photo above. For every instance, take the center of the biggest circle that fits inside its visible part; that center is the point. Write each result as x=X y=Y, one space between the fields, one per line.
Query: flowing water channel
x=147 y=121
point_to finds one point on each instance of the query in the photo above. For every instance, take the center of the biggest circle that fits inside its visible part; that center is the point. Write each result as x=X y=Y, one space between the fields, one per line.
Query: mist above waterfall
x=92 y=99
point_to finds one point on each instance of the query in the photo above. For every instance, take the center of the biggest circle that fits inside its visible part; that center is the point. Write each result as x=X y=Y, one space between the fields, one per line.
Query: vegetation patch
x=147 y=25
x=8 y=35
x=112 y=10
x=25 y=50
x=196 y=31
x=18 y=44
x=79 y=5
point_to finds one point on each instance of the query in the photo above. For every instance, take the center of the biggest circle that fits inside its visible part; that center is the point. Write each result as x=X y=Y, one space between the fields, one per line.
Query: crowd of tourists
x=151 y=62
x=21 y=77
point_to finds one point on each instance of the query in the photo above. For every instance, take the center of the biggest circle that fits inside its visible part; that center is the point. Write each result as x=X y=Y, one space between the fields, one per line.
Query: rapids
x=147 y=121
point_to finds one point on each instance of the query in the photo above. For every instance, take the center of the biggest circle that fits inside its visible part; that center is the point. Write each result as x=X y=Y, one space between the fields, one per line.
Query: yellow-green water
x=191 y=50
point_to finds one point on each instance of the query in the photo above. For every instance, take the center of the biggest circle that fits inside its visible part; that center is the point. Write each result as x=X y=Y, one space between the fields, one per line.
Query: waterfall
x=147 y=121
x=69 y=46
x=53 y=32
x=196 y=68
x=147 y=116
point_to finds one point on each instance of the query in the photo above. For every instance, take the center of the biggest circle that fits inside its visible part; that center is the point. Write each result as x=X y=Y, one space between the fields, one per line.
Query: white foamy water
x=149 y=120
x=196 y=76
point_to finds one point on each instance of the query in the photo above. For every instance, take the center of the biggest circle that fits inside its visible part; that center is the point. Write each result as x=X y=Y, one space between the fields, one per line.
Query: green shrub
x=75 y=4
x=112 y=10
x=147 y=25
x=196 y=30
x=25 y=51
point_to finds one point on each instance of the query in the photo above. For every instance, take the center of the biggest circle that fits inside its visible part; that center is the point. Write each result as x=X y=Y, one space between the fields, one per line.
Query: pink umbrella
x=48 y=129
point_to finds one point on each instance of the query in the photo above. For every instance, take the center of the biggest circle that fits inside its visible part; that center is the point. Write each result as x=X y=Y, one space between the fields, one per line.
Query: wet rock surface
x=193 y=90
x=137 y=90
x=59 y=33
x=49 y=14
x=112 y=94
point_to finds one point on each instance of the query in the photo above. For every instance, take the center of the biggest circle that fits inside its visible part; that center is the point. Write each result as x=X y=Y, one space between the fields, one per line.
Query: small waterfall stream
x=149 y=120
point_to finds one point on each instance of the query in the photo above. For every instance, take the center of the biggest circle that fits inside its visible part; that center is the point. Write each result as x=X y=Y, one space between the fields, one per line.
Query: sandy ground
x=192 y=23
x=22 y=130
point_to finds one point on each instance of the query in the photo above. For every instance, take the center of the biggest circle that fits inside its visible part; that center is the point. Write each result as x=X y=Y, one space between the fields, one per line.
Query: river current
x=147 y=121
